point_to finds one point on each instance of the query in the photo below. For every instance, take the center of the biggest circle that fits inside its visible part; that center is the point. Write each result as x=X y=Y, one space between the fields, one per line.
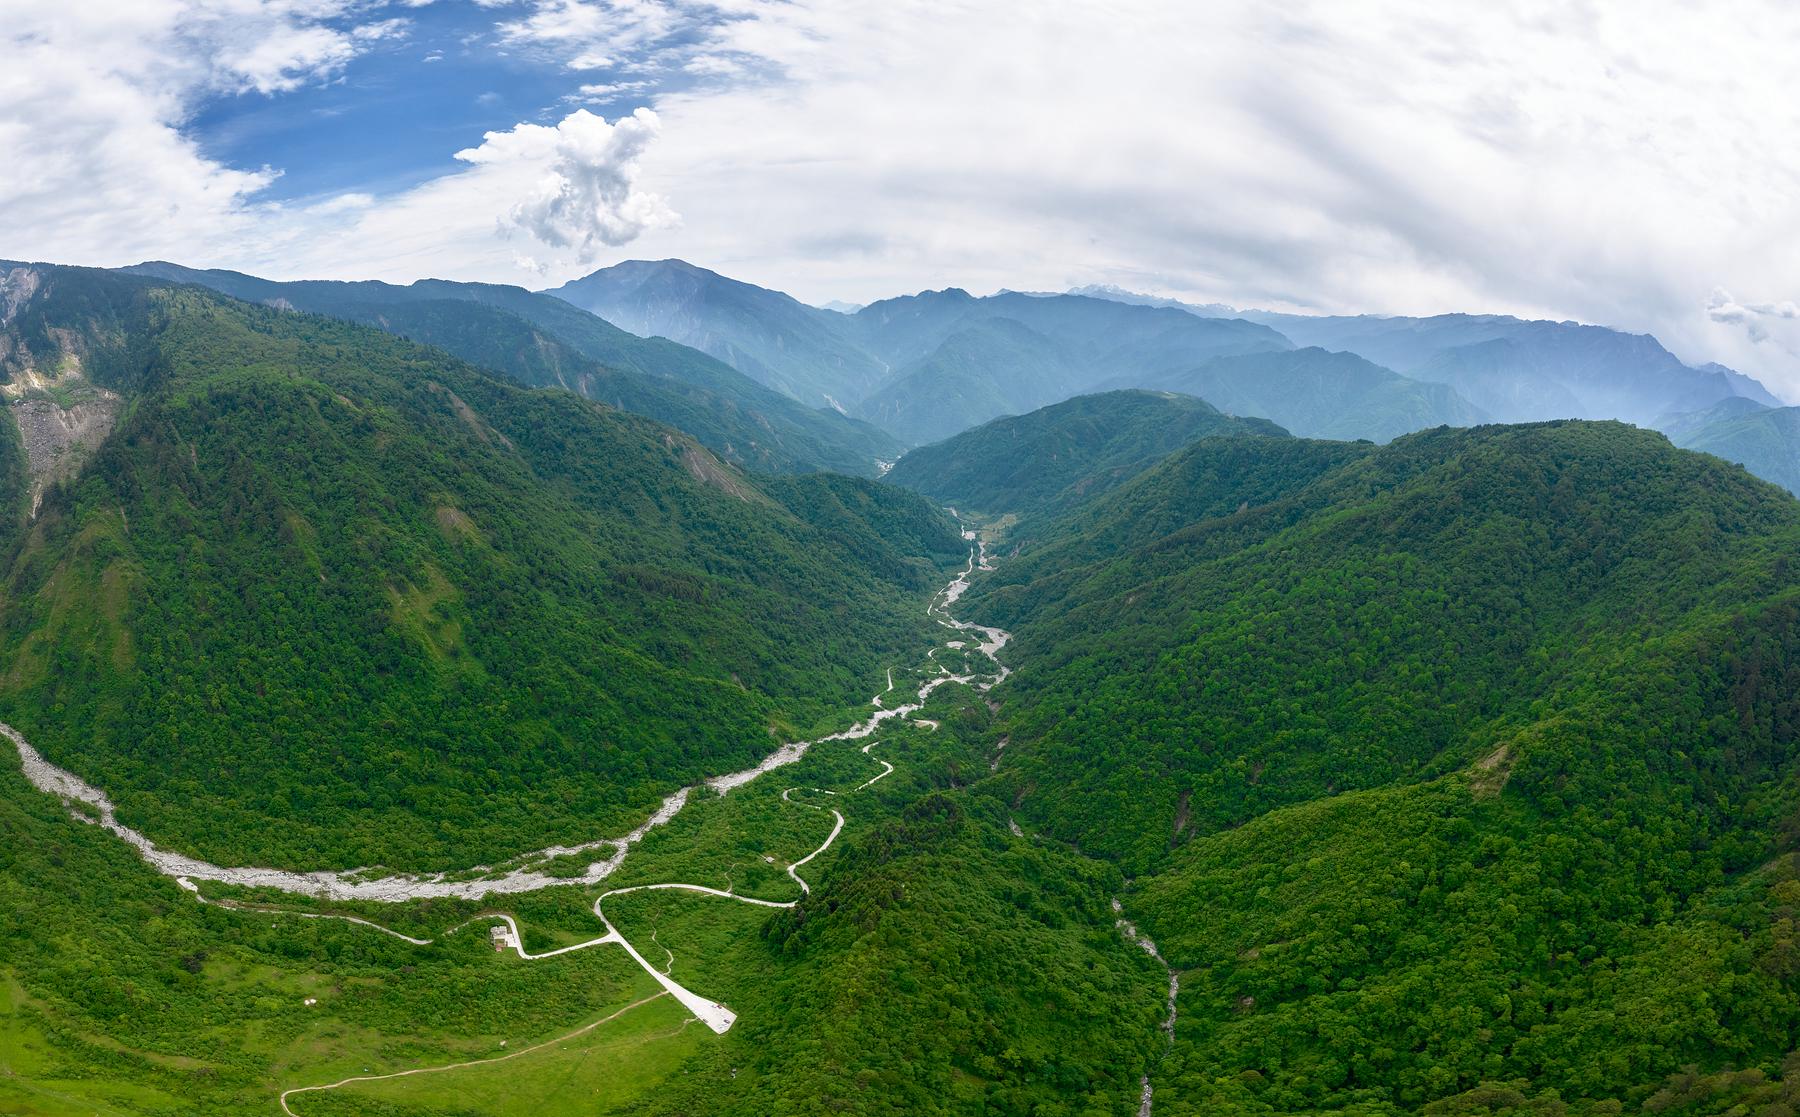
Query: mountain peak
x=767 y=335
x=1114 y=293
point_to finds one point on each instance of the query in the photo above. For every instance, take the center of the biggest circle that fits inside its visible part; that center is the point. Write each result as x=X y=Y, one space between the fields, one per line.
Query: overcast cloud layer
x=1628 y=163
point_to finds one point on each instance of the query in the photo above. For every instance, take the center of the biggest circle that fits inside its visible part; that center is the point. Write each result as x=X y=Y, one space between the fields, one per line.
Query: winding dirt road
x=525 y=873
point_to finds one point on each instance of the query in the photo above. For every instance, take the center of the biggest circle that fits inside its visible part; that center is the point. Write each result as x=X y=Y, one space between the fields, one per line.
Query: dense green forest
x=1455 y=775
x=947 y=967
x=1058 y=456
x=330 y=598
x=941 y=965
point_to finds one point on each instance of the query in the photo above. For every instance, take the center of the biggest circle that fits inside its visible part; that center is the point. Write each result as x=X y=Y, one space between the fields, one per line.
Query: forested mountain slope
x=328 y=597
x=1453 y=776
x=1054 y=457
x=543 y=341
x=1466 y=760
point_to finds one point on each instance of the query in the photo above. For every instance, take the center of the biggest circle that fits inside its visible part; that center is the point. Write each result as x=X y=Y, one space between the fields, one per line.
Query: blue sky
x=1611 y=161
x=391 y=119
x=395 y=115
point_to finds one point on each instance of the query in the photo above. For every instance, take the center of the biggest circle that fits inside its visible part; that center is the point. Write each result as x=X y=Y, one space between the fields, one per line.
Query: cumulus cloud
x=1755 y=319
x=97 y=167
x=586 y=197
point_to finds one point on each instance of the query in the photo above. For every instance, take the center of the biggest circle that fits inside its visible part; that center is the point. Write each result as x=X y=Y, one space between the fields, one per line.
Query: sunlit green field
x=606 y=1069
x=186 y=1008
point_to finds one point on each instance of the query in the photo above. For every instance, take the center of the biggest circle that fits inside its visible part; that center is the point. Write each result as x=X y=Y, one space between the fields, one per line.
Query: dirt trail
x=361 y=884
x=581 y=1031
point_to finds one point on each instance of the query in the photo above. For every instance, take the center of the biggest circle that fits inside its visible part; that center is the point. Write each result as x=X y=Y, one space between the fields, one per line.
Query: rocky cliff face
x=17 y=285
x=57 y=438
x=61 y=415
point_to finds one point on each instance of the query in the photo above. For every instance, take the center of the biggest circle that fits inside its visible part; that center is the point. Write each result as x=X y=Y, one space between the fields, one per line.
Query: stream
x=526 y=874
x=1132 y=934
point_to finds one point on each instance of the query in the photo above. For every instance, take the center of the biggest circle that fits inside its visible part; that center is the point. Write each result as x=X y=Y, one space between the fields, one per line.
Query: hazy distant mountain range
x=926 y=366
x=772 y=337
x=775 y=385
x=1764 y=440
x=1519 y=371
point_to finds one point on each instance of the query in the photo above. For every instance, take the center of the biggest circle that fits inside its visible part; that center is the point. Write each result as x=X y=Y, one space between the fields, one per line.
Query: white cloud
x=1607 y=161
x=586 y=195
x=591 y=34
x=1760 y=322
x=341 y=203
x=280 y=63
x=1611 y=160
x=92 y=101
x=598 y=91
x=715 y=65
x=381 y=29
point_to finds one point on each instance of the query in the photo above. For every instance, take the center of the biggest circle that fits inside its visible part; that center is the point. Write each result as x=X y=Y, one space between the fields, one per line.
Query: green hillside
x=941 y=965
x=1057 y=456
x=327 y=597
x=1451 y=772
x=542 y=341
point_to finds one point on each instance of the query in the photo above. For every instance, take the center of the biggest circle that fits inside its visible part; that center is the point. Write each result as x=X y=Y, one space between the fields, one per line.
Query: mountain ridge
x=1491 y=725
x=930 y=364
x=540 y=341
x=1047 y=460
